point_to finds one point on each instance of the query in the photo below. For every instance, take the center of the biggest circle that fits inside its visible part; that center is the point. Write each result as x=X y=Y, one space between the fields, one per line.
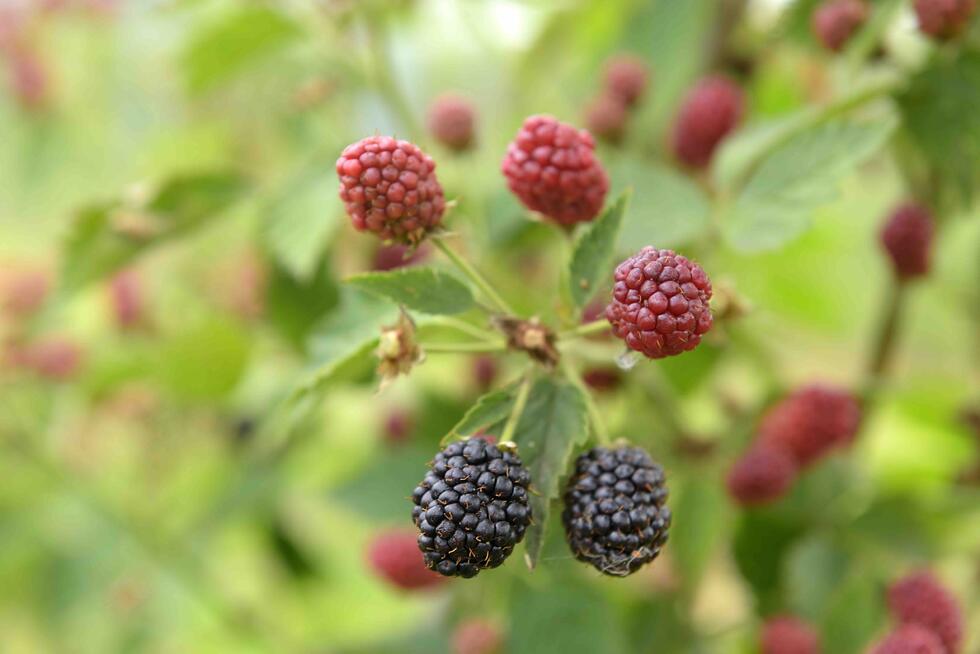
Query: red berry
x=602 y=379
x=477 y=636
x=909 y=639
x=944 y=19
x=789 y=635
x=626 y=78
x=390 y=188
x=29 y=79
x=660 y=303
x=919 y=598
x=395 y=556
x=606 y=118
x=23 y=291
x=55 y=358
x=451 y=121
x=711 y=111
x=484 y=372
x=126 y=296
x=760 y=476
x=810 y=422
x=398 y=426
x=836 y=21
x=907 y=238
x=551 y=167
x=390 y=257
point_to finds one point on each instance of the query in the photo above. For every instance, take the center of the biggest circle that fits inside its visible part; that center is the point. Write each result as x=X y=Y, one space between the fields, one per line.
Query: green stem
x=465 y=327
x=588 y=329
x=462 y=348
x=598 y=425
x=473 y=275
x=885 y=341
x=515 y=415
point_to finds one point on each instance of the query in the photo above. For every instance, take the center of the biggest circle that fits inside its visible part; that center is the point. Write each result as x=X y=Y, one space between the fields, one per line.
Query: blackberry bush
x=471 y=508
x=615 y=514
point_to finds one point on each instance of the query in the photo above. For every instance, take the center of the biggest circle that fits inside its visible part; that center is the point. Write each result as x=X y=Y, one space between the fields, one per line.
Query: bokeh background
x=153 y=499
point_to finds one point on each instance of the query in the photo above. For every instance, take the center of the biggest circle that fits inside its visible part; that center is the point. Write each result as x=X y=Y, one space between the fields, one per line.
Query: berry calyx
x=390 y=188
x=615 y=515
x=944 y=19
x=626 y=78
x=451 y=121
x=836 y=21
x=909 y=639
x=471 y=508
x=788 y=635
x=711 y=111
x=919 y=598
x=760 y=476
x=907 y=238
x=394 y=556
x=551 y=167
x=811 y=422
x=660 y=303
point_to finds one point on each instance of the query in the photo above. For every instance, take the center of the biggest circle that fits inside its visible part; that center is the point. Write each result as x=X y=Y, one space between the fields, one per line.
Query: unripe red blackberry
x=23 y=291
x=54 y=357
x=615 y=515
x=626 y=78
x=760 y=476
x=711 y=111
x=398 y=425
x=944 y=19
x=471 y=508
x=390 y=188
x=484 y=371
x=907 y=238
x=30 y=80
x=602 y=379
x=394 y=556
x=126 y=298
x=477 y=636
x=660 y=303
x=391 y=257
x=835 y=21
x=910 y=639
x=919 y=598
x=788 y=635
x=810 y=422
x=606 y=118
x=552 y=168
x=451 y=121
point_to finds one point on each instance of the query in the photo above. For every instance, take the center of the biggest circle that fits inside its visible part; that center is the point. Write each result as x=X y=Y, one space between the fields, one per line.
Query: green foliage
x=204 y=362
x=667 y=209
x=593 y=252
x=699 y=511
x=427 y=290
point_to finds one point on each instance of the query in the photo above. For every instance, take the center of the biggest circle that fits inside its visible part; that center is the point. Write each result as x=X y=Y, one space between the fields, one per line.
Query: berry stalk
x=885 y=340
x=473 y=275
x=595 y=417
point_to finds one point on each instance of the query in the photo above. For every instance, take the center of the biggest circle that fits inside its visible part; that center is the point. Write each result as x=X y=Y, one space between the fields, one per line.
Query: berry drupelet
x=615 y=515
x=471 y=508
x=660 y=303
x=390 y=188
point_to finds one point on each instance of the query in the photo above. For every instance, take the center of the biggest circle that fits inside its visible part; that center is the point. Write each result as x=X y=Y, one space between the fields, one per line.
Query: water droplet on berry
x=627 y=360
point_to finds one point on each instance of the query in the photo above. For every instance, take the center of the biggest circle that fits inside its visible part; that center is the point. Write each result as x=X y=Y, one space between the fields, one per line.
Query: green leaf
x=940 y=118
x=226 y=49
x=856 y=613
x=762 y=541
x=553 y=425
x=797 y=178
x=593 y=252
x=295 y=306
x=667 y=208
x=379 y=491
x=101 y=239
x=815 y=568
x=422 y=289
x=297 y=225
x=488 y=414
x=699 y=523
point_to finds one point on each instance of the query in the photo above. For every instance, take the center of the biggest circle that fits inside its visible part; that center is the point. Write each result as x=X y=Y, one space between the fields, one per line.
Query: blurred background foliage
x=156 y=498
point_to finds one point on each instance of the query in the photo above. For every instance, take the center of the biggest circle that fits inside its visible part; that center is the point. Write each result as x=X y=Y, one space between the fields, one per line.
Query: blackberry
x=615 y=515
x=810 y=422
x=836 y=21
x=907 y=238
x=471 y=508
x=711 y=111
x=394 y=556
x=660 y=303
x=788 y=635
x=606 y=118
x=626 y=78
x=944 y=19
x=390 y=188
x=919 y=598
x=451 y=120
x=760 y=476
x=552 y=168
x=910 y=639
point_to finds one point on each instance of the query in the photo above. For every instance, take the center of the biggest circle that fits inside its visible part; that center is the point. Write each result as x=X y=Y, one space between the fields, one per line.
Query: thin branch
x=588 y=329
x=473 y=275
x=515 y=415
x=462 y=348
x=598 y=424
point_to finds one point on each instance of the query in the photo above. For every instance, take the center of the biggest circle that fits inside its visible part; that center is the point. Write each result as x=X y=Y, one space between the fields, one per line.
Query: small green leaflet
x=593 y=252
x=422 y=289
x=488 y=414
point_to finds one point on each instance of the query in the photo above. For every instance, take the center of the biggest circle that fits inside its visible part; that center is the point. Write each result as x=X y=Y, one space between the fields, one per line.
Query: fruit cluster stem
x=473 y=275
x=595 y=417
x=588 y=329
x=886 y=338
x=523 y=391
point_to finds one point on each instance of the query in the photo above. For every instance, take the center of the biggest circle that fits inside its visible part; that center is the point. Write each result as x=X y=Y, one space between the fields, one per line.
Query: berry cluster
x=660 y=303
x=836 y=21
x=452 y=121
x=615 y=515
x=471 y=508
x=788 y=635
x=711 y=111
x=944 y=19
x=907 y=239
x=625 y=82
x=920 y=599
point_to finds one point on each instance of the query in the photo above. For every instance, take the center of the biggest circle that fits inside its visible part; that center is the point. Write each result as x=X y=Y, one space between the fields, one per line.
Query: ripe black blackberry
x=471 y=508
x=615 y=515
